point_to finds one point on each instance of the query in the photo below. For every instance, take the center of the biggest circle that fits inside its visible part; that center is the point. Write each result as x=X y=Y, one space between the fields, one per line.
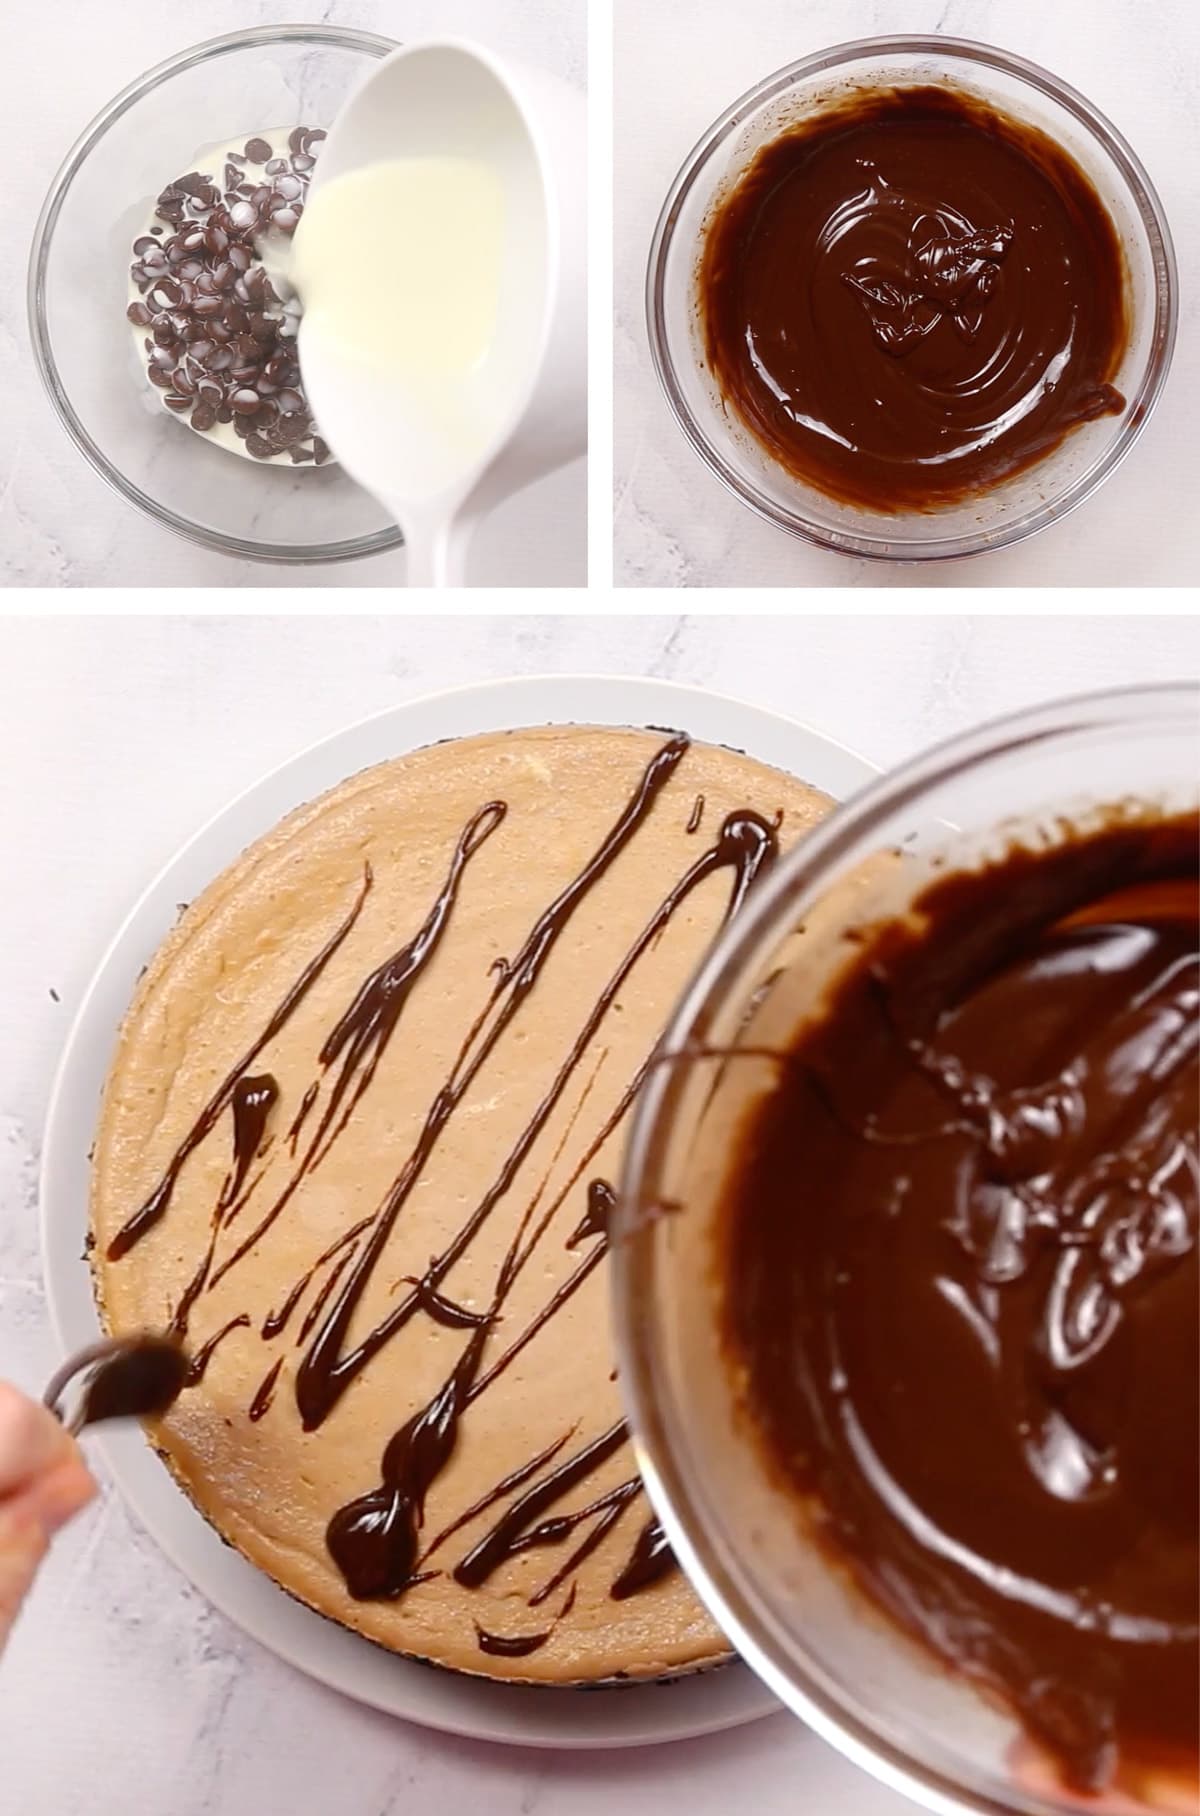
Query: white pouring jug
x=490 y=394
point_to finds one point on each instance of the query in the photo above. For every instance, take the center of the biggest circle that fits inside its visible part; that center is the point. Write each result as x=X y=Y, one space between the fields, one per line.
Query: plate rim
x=706 y=1702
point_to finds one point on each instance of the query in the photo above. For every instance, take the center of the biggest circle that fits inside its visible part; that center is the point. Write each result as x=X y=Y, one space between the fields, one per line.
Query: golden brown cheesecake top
x=358 y=1146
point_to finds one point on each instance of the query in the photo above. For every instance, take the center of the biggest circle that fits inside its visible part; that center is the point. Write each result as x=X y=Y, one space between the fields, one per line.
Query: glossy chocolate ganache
x=962 y=1284
x=357 y=1149
x=909 y=297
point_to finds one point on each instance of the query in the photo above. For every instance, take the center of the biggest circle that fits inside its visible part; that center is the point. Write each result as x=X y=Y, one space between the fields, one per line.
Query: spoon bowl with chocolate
x=912 y=298
x=905 y=1269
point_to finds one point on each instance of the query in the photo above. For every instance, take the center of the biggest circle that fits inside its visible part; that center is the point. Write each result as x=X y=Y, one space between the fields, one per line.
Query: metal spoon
x=130 y=1378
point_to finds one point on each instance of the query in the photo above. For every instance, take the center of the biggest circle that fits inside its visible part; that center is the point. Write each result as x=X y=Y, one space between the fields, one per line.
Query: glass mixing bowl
x=794 y=1616
x=1028 y=501
x=225 y=89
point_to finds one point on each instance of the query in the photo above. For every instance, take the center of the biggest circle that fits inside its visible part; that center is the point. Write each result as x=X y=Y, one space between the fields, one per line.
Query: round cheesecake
x=358 y=1148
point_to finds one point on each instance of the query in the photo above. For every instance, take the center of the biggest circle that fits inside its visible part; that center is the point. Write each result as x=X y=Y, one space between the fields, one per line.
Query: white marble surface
x=118 y=737
x=60 y=526
x=678 y=64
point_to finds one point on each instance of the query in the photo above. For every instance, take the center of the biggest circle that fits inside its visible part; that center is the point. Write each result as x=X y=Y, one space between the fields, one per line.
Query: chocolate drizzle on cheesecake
x=260 y=1405
x=157 y=1204
x=376 y=1539
x=198 y=1366
x=649 y=1562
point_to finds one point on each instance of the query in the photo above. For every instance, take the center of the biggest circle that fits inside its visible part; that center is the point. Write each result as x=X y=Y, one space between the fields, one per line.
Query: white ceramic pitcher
x=455 y=99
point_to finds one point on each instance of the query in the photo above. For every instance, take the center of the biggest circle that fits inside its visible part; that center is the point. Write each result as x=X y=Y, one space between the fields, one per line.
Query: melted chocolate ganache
x=910 y=297
x=962 y=1285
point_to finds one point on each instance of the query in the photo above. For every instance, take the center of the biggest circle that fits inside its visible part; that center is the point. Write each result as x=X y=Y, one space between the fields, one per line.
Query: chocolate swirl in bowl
x=961 y=1285
x=909 y=297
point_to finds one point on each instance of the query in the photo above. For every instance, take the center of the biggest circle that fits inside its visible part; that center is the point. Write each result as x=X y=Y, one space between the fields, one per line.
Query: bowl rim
x=879 y=546
x=669 y=1471
x=336 y=37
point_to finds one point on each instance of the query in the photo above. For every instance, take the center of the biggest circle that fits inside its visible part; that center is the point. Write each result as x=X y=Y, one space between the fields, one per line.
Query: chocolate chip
x=320 y=450
x=219 y=345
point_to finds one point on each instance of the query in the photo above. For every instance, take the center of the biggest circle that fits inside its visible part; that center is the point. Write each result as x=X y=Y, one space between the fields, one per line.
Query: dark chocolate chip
x=204 y=415
x=257 y=151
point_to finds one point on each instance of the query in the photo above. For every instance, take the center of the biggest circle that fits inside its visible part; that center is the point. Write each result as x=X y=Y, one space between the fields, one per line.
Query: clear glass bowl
x=227 y=88
x=797 y=1620
x=1028 y=501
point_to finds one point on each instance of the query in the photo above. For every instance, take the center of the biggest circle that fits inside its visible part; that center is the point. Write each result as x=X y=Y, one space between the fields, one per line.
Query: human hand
x=43 y=1481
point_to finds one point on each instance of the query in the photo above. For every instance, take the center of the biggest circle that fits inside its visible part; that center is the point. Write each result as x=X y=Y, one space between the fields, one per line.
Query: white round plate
x=625 y=1716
